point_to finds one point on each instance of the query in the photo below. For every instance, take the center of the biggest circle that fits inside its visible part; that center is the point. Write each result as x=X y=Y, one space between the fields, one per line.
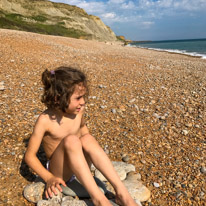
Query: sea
x=192 y=47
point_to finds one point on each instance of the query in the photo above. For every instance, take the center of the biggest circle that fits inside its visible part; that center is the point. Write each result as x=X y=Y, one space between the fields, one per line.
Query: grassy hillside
x=38 y=24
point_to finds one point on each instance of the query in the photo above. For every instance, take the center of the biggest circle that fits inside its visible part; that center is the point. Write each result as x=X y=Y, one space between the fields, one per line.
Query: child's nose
x=82 y=102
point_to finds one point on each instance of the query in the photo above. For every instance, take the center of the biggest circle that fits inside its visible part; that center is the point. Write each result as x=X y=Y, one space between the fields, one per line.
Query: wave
x=194 y=54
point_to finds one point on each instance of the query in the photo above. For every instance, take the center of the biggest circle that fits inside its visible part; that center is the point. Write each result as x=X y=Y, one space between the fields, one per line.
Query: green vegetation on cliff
x=35 y=24
x=45 y=17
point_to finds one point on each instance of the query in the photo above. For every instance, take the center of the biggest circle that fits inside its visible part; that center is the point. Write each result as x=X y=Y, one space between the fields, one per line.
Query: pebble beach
x=144 y=107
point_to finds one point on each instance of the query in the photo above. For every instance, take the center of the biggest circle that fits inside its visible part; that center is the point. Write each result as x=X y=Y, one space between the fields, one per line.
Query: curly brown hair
x=59 y=85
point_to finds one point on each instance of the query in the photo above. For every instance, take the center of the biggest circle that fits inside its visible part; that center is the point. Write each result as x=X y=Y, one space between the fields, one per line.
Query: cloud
x=183 y=5
x=116 y=1
x=147 y=24
x=129 y=5
x=144 y=14
x=111 y=15
x=93 y=7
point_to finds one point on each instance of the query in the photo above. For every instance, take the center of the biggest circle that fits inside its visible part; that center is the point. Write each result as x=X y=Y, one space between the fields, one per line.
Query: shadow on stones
x=25 y=171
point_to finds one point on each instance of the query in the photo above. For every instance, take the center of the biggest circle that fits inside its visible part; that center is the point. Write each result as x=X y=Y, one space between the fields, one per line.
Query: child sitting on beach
x=67 y=142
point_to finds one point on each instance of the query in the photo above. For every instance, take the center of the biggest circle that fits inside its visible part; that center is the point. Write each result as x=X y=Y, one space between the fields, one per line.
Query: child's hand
x=51 y=186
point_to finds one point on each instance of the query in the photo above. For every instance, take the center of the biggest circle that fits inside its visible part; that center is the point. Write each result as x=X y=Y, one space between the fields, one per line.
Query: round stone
x=34 y=192
x=156 y=184
x=203 y=170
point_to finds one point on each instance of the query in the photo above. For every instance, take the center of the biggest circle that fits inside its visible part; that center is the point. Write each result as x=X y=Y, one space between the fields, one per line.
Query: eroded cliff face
x=43 y=14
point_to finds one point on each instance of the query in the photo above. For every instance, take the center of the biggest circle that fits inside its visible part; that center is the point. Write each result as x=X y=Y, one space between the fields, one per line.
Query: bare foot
x=125 y=201
x=103 y=202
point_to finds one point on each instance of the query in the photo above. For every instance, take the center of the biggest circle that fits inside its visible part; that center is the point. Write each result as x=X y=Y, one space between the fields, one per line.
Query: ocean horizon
x=192 y=47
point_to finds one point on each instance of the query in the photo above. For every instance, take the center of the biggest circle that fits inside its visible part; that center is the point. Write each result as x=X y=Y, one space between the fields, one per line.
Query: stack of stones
x=75 y=194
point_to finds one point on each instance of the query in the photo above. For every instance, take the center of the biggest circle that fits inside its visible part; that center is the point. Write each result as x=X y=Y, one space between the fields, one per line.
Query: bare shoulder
x=43 y=120
x=44 y=116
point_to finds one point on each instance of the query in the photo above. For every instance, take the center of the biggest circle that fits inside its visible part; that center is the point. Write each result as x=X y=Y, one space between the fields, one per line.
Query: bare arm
x=34 y=163
x=33 y=147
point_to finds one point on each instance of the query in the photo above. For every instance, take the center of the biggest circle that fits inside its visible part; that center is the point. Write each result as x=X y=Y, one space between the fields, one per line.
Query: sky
x=149 y=19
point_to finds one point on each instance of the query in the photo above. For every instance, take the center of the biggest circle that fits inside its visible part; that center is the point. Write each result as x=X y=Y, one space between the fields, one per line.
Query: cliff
x=42 y=16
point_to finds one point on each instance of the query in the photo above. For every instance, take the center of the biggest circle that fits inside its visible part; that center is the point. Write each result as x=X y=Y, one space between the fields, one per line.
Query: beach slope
x=145 y=104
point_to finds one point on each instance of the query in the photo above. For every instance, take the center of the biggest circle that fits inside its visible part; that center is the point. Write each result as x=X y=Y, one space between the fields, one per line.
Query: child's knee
x=87 y=140
x=71 y=142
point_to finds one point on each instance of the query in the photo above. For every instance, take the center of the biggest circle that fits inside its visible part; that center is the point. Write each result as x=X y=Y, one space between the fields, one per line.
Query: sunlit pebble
x=113 y=111
x=132 y=100
x=156 y=184
x=185 y=132
x=188 y=125
x=2 y=88
x=142 y=161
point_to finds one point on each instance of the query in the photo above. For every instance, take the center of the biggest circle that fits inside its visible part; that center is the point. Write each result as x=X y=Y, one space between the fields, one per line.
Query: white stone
x=81 y=203
x=2 y=88
x=33 y=192
x=156 y=184
x=132 y=100
x=43 y=203
x=74 y=203
x=137 y=190
x=122 y=174
x=133 y=176
x=121 y=168
x=132 y=182
x=56 y=199
x=185 y=132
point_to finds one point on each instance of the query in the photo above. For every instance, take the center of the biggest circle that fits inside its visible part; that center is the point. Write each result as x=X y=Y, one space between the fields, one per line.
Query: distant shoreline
x=170 y=52
x=192 y=47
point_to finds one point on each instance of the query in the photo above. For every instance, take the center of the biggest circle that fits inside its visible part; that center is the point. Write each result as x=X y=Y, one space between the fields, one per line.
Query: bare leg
x=102 y=162
x=69 y=159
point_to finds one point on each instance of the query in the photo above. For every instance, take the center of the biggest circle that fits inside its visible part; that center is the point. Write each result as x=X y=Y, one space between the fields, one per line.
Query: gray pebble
x=203 y=170
x=125 y=158
x=43 y=203
x=113 y=111
x=106 y=151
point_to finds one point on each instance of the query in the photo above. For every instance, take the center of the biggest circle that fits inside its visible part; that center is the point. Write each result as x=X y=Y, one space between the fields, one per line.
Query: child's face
x=77 y=99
